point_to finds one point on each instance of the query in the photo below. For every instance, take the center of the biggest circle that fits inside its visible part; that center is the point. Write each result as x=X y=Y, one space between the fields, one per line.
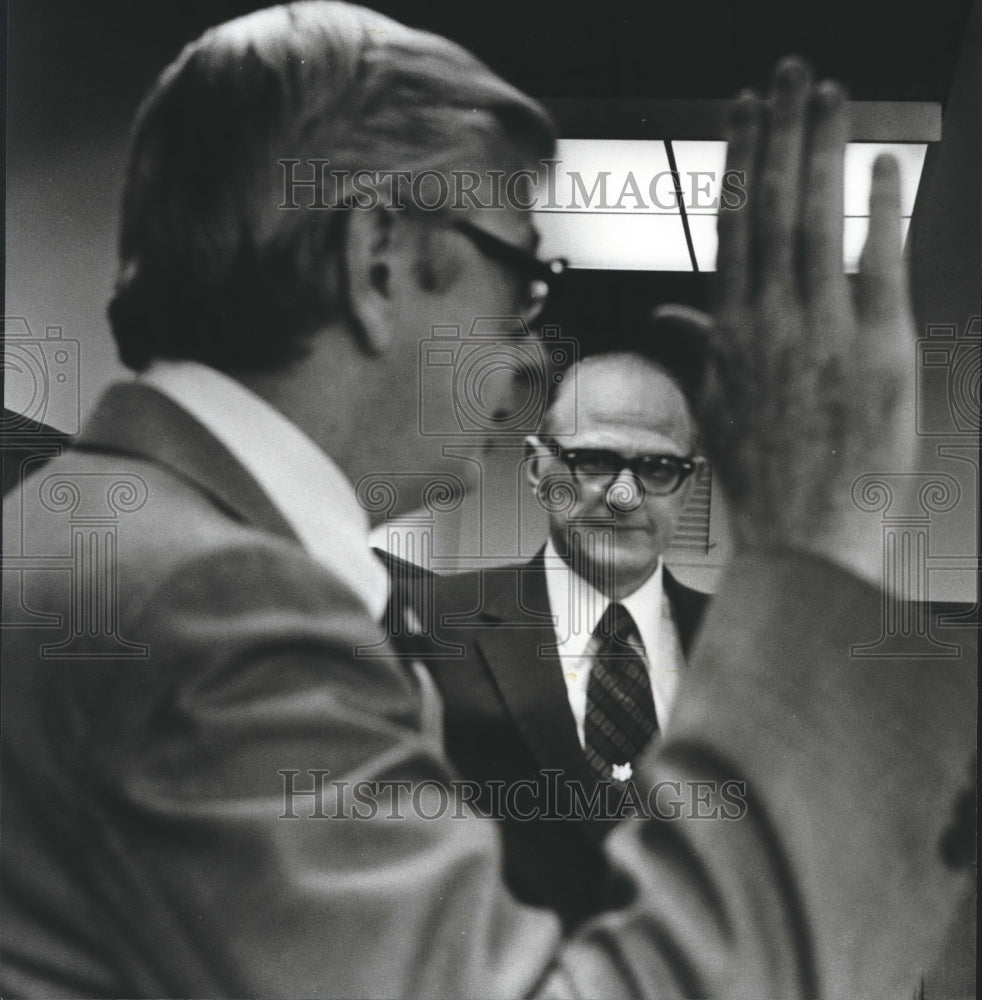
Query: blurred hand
x=807 y=388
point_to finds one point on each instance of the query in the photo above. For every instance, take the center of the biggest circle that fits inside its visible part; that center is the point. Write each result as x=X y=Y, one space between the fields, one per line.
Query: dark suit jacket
x=172 y=662
x=507 y=719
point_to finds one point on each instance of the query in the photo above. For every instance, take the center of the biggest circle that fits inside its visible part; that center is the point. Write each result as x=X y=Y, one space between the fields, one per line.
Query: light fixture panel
x=613 y=204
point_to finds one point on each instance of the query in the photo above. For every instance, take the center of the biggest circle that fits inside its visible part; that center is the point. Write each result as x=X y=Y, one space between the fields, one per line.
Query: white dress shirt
x=577 y=609
x=303 y=483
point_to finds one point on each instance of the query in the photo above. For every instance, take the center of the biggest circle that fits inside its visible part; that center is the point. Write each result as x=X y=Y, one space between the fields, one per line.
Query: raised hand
x=807 y=387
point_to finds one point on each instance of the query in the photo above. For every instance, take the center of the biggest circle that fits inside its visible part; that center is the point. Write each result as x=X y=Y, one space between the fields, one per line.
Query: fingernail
x=743 y=108
x=791 y=73
x=829 y=95
x=885 y=165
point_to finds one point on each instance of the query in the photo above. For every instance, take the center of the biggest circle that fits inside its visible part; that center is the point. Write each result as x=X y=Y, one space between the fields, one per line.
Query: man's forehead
x=640 y=431
x=621 y=393
x=626 y=418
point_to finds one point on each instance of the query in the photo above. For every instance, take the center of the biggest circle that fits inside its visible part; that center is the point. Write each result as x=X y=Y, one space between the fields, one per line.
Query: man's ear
x=371 y=271
x=535 y=457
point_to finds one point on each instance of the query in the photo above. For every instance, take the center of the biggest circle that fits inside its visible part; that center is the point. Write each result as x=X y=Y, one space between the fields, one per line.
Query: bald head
x=613 y=400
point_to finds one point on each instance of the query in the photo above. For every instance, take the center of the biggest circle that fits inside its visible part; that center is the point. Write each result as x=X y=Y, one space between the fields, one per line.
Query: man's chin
x=631 y=574
x=625 y=573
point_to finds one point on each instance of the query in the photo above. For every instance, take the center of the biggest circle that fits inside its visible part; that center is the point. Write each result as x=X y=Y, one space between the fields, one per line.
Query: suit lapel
x=688 y=606
x=137 y=420
x=519 y=648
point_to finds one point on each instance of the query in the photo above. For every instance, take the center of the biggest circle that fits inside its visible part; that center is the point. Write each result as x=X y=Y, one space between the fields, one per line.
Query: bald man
x=571 y=662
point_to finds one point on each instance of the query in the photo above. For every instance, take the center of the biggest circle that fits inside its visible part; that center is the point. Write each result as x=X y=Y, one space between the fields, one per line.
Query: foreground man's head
x=297 y=214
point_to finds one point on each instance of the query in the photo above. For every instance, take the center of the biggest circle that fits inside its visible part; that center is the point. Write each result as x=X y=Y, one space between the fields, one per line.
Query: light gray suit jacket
x=171 y=657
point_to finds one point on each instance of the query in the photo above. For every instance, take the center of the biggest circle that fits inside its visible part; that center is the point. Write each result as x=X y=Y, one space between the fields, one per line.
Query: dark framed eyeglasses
x=540 y=275
x=596 y=468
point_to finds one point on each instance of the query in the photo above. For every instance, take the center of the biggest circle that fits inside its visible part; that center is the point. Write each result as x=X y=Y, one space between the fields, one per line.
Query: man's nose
x=624 y=493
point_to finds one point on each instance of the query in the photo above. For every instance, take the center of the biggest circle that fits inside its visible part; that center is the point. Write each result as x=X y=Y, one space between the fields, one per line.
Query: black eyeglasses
x=596 y=468
x=540 y=275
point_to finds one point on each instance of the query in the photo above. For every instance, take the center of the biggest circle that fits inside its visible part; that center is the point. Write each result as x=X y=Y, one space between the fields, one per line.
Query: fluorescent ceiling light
x=612 y=204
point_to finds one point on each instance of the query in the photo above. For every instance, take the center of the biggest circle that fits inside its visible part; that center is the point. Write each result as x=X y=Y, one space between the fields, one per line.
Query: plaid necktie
x=620 y=709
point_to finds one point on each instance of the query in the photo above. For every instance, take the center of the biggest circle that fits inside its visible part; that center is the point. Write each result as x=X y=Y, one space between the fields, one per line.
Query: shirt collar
x=306 y=486
x=578 y=607
x=645 y=604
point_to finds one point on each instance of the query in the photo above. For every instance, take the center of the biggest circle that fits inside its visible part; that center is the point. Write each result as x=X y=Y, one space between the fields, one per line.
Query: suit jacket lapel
x=519 y=647
x=688 y=605
x=137 y=420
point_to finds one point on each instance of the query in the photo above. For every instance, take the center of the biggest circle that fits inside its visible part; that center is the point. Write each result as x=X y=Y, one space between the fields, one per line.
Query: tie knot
x=617 y=625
